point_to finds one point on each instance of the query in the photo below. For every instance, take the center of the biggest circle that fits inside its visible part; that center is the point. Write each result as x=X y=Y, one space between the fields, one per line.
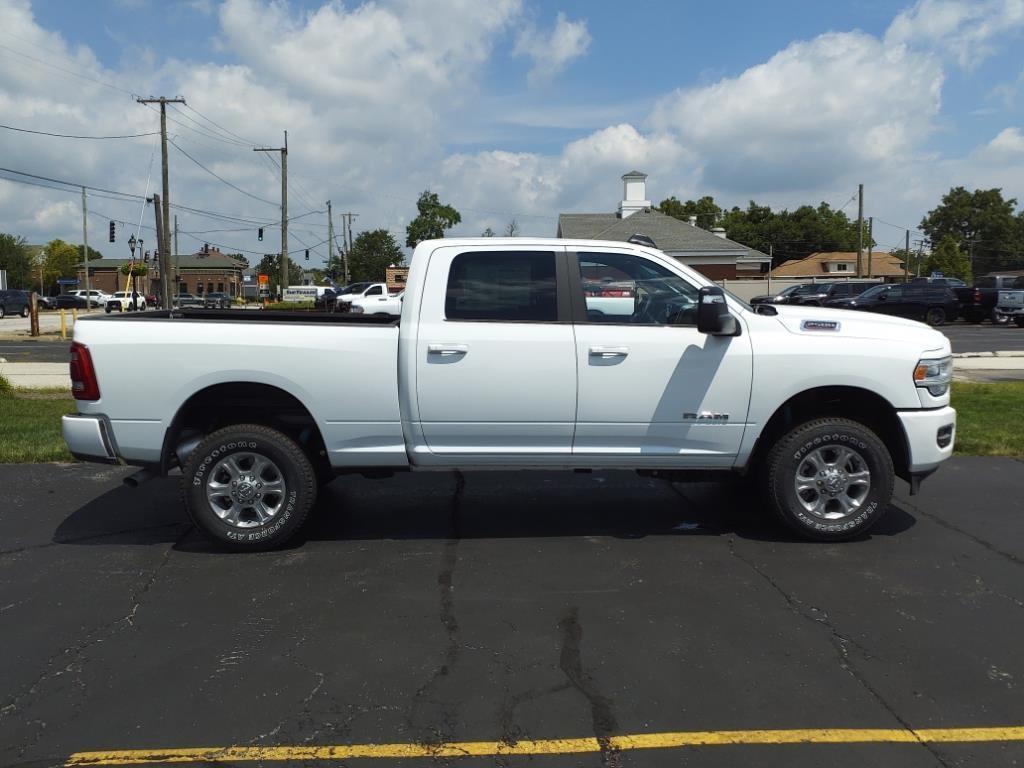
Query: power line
x=218 y=125
x=71 y=136
x=221 y=178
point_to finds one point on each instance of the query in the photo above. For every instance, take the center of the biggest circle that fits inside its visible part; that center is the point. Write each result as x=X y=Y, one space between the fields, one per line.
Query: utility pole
x=871 y=226
x=906 y=261
x=330 y=236
x=860 y=230
x=164 y=243
x=350 y=242
x=284 y=207
x=165 y=281
x=177 y=253
x=85 y=253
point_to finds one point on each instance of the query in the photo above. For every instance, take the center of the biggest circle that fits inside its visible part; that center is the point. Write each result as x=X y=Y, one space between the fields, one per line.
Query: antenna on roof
x=639 y=239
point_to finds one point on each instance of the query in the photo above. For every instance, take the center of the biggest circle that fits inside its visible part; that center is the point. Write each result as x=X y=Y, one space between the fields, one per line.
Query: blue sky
x=521 y=108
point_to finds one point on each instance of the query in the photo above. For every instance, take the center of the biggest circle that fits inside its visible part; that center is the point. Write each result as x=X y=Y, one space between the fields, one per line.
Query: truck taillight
x=977 y=296
x=84 y=385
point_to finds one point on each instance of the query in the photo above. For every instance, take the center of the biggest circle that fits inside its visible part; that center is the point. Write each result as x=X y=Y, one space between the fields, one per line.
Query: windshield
x=870 y=293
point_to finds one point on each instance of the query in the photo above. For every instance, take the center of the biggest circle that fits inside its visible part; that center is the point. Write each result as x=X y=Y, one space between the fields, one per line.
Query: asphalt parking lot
x=500 y=612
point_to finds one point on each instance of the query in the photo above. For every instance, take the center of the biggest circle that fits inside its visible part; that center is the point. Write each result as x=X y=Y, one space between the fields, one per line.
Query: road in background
x=966 y=337
x=504 y=607
x=35 y=351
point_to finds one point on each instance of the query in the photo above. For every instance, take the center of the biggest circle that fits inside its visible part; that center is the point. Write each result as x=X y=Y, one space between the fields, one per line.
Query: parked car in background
x=782 y=297
x=344 y=300
x=217 y=300
x=379 y=305
x=932 y=304
x=14 y=302
x=152 y=301
x=97 y=297
x=326 y=301
x=126 y=301
x=1010 y=303
x=978 y=302
x=73 y=301
x=821 y=293
x=46 y=302
x=188 y=300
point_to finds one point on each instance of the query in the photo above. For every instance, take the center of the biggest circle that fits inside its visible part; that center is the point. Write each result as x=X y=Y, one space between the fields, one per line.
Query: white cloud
x=1009 y=140
x=552 y=51
x=966 y=28
x=816 y=111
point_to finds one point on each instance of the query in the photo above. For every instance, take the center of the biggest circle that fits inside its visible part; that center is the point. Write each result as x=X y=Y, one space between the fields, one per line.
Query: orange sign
x=264 y=279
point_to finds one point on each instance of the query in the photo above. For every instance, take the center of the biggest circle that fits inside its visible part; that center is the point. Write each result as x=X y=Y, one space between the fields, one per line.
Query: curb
x=1001 y=353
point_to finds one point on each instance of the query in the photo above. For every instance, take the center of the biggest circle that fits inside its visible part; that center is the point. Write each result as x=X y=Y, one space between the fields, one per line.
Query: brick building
x=395 y=277
x=206 y=271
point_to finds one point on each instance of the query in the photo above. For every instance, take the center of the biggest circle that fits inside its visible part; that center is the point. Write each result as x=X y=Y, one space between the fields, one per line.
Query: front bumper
x=931 y=434
x=88 y=438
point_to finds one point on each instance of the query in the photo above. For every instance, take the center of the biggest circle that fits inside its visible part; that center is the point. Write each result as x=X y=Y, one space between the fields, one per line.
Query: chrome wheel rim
x=246 y=490
x=832 y=482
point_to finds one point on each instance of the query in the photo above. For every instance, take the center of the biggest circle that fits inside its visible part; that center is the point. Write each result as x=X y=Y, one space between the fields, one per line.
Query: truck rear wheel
x=829 y=479
x=248 y=487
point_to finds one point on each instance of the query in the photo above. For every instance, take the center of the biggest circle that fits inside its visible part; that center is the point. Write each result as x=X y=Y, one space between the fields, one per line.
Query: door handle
x=609 y=351
x=447 y=349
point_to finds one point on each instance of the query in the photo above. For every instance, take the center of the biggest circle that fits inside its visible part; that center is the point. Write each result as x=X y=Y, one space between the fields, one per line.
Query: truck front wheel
x=829 y=479
x=248 y=487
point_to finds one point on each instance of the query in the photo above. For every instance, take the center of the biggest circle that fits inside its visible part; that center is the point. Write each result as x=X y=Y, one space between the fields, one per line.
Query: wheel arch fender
x=855 y=403
x=225 y=403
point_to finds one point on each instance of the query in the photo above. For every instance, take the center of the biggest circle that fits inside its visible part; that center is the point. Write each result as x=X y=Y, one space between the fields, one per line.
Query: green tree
x=982 y=223
x=706 y=210
x=270 y=264
x=93 y=253
x=434 y=218
x=16 y=259
x=950 y=260
x=372 y=253
x=61 y=260
x=487 y=233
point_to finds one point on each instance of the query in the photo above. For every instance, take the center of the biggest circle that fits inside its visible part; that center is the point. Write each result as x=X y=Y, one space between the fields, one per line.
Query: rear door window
x=502 y=286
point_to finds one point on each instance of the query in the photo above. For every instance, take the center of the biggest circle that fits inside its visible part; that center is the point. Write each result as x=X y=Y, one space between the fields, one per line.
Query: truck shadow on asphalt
x=489 y=505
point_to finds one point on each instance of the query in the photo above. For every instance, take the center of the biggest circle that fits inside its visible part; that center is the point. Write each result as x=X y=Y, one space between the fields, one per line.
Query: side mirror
x=713 y=316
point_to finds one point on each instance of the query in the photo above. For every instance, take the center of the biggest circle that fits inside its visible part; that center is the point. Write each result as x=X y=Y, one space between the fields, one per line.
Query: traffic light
x=260 y=235
x=112 y=232
x=307 y=254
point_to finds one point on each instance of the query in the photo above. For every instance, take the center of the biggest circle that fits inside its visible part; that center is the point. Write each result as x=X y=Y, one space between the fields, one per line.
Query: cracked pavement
x=510 y=606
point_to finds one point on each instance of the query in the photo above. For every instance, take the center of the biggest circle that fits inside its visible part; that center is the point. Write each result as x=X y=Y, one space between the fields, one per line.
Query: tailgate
x=1011 y=300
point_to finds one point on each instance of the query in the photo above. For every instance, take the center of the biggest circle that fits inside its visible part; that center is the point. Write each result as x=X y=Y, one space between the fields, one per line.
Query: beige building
x=841 y=264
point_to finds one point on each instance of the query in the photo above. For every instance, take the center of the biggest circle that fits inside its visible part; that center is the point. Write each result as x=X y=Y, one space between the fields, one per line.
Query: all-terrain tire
x=797 y=451
x=1019 y=320
x=213 y=464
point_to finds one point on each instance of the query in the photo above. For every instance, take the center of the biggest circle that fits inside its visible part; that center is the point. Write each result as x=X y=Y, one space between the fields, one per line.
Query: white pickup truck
x=499 y=360
x=379 y=305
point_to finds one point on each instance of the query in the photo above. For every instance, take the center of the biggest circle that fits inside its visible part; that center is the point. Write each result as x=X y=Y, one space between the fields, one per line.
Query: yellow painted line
x=550 y=746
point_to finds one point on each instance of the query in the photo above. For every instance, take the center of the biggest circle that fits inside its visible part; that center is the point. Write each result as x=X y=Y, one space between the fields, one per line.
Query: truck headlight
x=935 y=375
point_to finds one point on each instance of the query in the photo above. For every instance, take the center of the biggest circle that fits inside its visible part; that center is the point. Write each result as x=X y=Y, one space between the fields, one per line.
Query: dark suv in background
x=824 y=292
x=934 y=304
x=14 y=303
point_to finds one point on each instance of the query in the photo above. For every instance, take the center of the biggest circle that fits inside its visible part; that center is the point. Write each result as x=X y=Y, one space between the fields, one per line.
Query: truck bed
x=251 y=316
